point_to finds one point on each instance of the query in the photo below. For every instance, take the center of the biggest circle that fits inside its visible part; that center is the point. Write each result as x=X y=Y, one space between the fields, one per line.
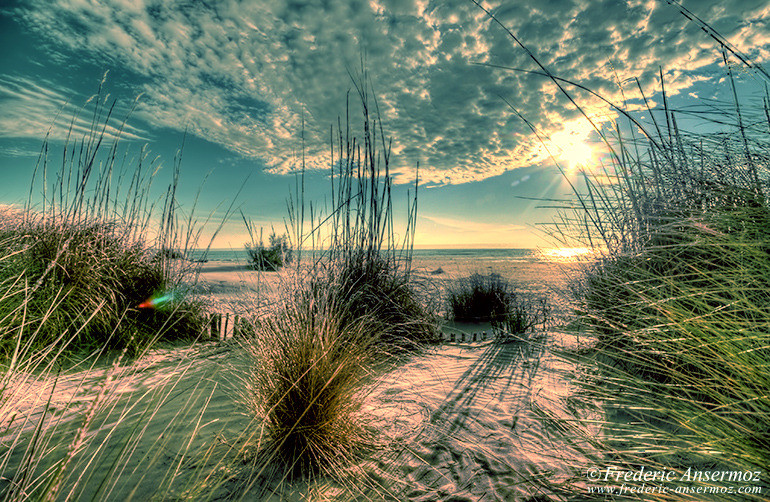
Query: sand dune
x=459 y=418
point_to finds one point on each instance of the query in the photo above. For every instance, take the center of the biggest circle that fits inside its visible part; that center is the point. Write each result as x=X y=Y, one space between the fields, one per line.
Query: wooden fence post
x=216 y=325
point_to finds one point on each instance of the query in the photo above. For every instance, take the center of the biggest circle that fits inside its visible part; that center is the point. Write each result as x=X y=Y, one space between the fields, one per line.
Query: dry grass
x=313 y=362
x=74 y=269
x=676 y=309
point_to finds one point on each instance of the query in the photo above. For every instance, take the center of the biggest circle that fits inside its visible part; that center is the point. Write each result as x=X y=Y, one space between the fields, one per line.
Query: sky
x=241 y=86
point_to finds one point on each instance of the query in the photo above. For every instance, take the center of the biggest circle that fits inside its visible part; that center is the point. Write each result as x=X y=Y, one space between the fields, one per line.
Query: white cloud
x=32 y=109
x=14 y=151
x=246 y=75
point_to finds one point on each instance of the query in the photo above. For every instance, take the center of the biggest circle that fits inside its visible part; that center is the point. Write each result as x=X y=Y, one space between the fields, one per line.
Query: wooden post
x=212 y=325
x=216 y=325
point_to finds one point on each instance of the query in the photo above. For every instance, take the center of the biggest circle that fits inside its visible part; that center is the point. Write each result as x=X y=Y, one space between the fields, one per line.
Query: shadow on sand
x=504 y=365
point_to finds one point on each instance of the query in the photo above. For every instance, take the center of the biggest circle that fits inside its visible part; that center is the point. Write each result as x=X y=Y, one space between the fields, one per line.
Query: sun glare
x=568 y=254
x=570 y=144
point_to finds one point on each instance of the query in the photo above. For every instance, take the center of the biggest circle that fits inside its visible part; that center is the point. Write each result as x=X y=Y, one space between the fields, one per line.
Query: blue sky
x=241 y=79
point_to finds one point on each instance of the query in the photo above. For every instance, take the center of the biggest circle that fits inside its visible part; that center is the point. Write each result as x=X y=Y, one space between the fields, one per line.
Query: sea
x=230 y=255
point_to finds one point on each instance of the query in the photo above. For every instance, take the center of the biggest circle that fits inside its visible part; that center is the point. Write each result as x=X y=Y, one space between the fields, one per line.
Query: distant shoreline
x=462 y=254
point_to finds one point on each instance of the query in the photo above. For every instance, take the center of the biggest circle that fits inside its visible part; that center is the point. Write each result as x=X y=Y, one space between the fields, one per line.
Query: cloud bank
x=250 y=75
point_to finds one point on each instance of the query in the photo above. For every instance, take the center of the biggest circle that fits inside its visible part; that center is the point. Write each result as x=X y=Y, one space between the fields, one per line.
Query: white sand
x=462 y=414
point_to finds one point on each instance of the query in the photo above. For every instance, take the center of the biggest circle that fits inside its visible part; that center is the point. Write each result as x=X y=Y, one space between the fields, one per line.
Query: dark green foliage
x=490 y=298
x=523 y=315
x=271 y=257
x=479 y=298
x=86 y=279
x=374 y=287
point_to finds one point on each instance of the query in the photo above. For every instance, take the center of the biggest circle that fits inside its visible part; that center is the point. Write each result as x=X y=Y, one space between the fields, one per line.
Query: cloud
x=250 y=75
x=32 y=109
x=15 y=151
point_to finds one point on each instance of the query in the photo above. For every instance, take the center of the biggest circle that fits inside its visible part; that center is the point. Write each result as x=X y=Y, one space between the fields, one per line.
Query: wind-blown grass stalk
x=73 y=269
x=316 y=354
x=677 y=307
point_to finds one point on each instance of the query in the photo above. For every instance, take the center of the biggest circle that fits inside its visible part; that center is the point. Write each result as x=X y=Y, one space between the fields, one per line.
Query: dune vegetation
x=674 y=313
x=81 y=261
x=89 y=281
x=678 y=305
x=670 y=370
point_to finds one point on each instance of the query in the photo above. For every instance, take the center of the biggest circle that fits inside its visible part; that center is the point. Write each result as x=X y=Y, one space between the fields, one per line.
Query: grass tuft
x=269 y=257
x=312 y=362
x=479 y=298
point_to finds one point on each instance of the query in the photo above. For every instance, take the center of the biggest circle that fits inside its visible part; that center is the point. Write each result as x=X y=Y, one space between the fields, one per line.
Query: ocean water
x=476 y=255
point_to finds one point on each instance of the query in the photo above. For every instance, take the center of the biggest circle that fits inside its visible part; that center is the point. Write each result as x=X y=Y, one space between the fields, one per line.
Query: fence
x=227 y=326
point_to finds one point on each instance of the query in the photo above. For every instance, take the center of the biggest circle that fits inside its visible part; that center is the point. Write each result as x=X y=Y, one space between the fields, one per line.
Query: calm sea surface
x=514 y=255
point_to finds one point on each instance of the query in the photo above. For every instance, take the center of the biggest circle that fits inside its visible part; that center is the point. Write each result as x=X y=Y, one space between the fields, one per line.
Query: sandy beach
x=457 y=421
x=233 y=286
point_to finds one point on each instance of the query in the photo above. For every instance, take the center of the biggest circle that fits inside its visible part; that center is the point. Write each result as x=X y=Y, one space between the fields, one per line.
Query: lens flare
x=158 y=300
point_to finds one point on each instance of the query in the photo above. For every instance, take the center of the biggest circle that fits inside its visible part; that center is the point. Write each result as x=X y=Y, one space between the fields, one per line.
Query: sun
x=570 y=144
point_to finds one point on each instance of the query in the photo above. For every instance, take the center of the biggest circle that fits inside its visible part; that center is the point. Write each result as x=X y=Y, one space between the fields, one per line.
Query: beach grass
x=90 y=280
x=339 y=322
x=681 y=339
x=60 y=275
x=674 y=313
x=267 y=257
x=83 y=250
x=313 y=359
x=354 y=243
x=479 y=298
x=677 y=304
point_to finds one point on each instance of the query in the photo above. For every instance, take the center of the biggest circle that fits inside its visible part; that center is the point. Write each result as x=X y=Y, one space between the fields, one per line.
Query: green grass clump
x=62 y=275
x=361 y=254
x=270 y=257
x=86 y=270
x=479 y=298
x=524 y=314
x=490 y=298
x=377 y=288
x=678 y=304
x=312 y=362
